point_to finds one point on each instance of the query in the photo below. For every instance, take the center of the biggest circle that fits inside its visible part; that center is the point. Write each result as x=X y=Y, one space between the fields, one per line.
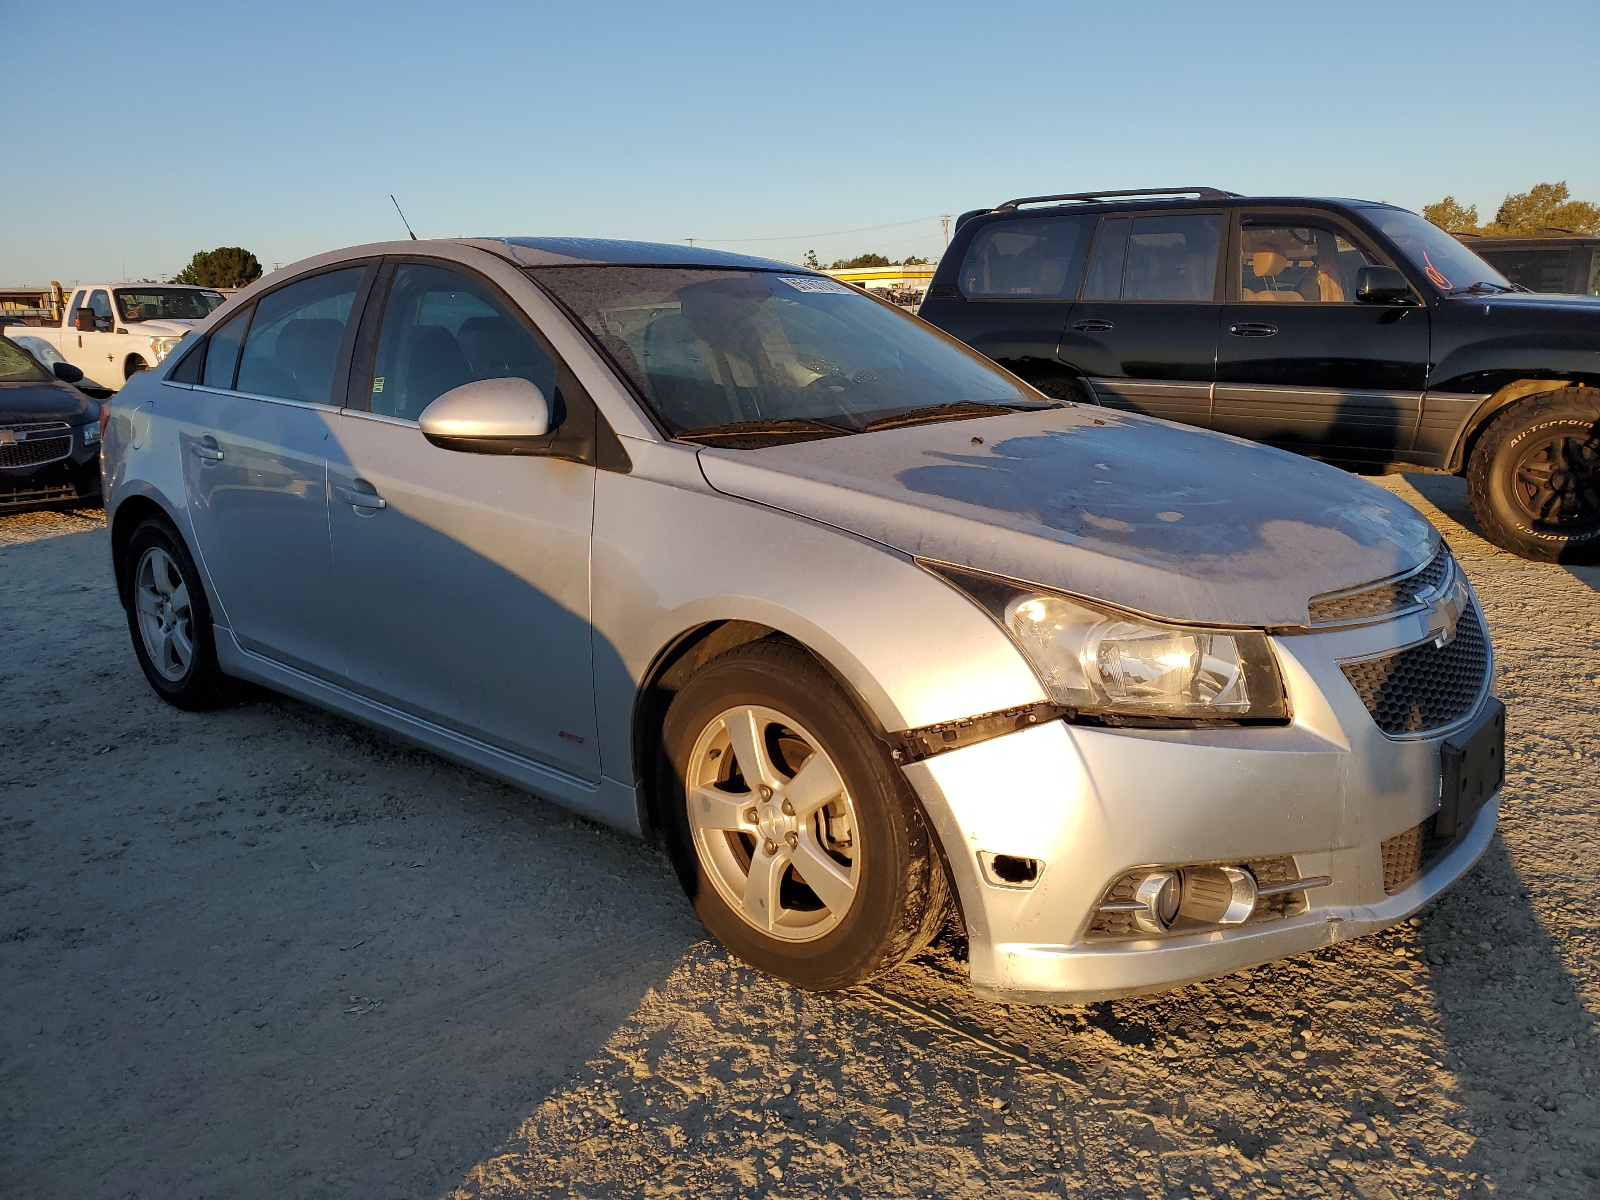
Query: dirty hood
x=1161 y=518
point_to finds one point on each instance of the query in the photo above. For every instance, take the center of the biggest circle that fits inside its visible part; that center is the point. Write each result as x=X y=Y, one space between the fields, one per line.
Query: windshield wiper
x=1483 y=285
x=755 y=433
x=960 y=410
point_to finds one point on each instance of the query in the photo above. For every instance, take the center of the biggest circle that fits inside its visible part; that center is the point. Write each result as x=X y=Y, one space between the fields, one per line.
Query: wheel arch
x=128 y=515
x=1509 y=394
x=128 y=371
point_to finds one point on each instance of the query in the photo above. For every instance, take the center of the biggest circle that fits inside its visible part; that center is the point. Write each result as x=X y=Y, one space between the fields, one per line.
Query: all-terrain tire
x=193 y=681
x=1534 y=477
x=900 y=897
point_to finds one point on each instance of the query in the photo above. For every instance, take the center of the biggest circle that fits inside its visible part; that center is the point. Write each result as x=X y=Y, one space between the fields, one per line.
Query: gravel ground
x=267 y=952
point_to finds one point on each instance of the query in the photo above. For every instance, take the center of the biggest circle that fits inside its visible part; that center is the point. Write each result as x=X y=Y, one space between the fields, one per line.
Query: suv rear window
x=1033 y=257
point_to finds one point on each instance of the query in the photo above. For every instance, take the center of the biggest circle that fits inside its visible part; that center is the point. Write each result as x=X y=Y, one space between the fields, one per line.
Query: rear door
x=255 y=444
x=464 y=578
x=1303 y=365
x=1016 y=285
x=1144 y=330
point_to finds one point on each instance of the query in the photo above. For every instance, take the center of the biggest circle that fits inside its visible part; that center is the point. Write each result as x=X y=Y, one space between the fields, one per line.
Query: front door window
x=1298 y=264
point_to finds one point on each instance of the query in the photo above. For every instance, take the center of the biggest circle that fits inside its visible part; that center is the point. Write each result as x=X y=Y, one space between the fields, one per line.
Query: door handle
x=1094 y=325
x=357 y=498
x=1252 y=329
x=206 y=449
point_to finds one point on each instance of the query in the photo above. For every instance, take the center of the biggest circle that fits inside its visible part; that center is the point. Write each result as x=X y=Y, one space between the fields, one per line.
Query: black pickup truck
x=1351 y=331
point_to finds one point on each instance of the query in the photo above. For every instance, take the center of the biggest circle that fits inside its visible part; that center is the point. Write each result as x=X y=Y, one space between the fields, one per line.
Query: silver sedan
x=863 y=629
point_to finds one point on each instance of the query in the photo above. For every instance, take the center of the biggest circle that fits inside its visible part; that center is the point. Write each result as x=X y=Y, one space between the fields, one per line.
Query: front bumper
x=1091 y=803
x=72 y=479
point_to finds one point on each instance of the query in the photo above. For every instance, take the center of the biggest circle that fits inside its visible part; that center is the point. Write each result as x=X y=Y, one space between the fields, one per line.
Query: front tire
x=169 y=620
x=133 y=366
x=1534 y=477
x=795 y=836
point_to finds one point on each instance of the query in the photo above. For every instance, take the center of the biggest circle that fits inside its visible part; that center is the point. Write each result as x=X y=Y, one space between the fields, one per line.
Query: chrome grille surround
x=1421 y=689
x=1409 y=591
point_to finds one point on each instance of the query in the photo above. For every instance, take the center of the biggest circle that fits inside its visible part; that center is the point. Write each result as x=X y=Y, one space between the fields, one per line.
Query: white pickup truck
x=111 y=331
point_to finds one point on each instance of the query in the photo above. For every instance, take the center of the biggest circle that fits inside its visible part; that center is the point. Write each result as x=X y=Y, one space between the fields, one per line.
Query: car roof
x=581 y=251
x=1158 y=199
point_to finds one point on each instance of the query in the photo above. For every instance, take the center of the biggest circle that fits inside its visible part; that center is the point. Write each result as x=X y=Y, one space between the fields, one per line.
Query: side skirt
x=609 y=802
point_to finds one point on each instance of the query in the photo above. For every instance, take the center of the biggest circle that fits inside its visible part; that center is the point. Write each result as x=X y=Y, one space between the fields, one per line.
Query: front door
x=94 y=351
x=1144 y=330
x=1301 y=364
x=256 y=435
x=463 y=578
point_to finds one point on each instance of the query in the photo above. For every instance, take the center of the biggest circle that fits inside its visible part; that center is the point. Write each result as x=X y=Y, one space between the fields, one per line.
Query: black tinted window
x=222 y=352
x=293 y=345
x=1538 y=270
x=1105 y=268
x=1037 y=256
x=442 y=329
x=1172 y=258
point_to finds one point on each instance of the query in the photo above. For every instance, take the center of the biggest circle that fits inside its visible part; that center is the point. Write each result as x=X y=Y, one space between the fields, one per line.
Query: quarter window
x=1298 y=264
x=1034 y=257
x=293 y=344
x=442 y=329
x=222 y=352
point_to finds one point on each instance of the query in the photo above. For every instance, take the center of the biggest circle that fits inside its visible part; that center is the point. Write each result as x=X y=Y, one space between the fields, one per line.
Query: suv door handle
x=1093 y=325
x=357 y=498
x=206 y=449
x=1252 y=329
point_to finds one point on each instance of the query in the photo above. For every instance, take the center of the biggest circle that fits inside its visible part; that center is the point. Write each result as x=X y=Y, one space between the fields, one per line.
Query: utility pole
x=689 y=240
x=944 y=220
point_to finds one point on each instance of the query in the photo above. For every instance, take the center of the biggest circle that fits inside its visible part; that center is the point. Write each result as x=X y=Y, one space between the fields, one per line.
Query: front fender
x=670 y=557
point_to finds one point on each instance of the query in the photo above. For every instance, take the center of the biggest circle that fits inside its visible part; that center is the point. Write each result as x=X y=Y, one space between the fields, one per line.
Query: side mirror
x=1383 y=285
x=491 y=416
x=66 y=372
x=84 y=321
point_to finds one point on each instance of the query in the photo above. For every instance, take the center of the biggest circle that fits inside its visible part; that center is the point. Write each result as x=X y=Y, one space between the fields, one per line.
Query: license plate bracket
x=1472 y=766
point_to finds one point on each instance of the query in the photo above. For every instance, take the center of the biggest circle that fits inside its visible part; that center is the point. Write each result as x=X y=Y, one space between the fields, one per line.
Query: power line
x=795 y=237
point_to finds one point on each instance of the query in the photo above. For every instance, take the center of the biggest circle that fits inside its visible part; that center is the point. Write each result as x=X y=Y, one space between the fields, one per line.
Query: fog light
x=1218 y=895
x=1158 y=896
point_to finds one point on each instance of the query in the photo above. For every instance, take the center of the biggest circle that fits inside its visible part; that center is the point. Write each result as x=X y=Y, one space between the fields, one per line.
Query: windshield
x=166 y=304
x=18 y=366
x=708 y=348
x=1449 y=265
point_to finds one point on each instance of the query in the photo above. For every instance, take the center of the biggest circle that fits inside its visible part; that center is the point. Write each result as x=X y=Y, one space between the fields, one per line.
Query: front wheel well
x=1501 y=400
x=133 y=364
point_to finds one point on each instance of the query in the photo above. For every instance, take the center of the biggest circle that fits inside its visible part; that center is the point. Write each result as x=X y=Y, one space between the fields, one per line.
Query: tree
x=1543 y=208
x=861 y=260
x=810 y=260
x=1449 y=216
x=911 y=260
x=224 y=267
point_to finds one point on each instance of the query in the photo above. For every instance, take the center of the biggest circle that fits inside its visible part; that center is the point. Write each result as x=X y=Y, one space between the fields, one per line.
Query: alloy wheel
x=161 y=600
x=774 y=825
x=1557 y=482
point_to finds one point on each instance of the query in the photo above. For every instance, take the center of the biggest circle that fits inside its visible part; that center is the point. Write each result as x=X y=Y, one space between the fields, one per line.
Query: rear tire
x=169 y=620
x=768 y=774
x=1534 y=477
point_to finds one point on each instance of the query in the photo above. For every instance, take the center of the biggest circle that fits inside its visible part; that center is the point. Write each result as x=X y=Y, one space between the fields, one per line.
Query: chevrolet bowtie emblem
x=1446 y=612
x=7 y=438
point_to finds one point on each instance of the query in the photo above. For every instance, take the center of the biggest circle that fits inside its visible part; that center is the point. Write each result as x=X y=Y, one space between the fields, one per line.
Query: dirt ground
x=265 y=952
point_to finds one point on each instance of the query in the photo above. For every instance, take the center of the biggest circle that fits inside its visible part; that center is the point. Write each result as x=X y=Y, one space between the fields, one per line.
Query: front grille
x=1425 y=687
x=1108 y=926
x=1407 y=854
x=34 y=451
x=1383 y=599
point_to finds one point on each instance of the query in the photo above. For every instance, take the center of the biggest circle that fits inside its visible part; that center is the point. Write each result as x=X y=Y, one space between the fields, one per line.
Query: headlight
x=1100 y=661
x=162 y=346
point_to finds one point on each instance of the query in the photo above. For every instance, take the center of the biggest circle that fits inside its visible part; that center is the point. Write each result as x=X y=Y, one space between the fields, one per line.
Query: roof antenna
x=403 y=220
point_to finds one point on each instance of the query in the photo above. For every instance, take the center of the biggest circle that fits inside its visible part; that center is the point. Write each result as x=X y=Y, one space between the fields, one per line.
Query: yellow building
x=900 y=285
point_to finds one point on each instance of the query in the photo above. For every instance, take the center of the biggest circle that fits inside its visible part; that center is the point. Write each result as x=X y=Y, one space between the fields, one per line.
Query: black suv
x=1347 y=330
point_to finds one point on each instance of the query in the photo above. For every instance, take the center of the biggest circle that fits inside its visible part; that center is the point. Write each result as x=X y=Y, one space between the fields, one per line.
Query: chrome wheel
x=161 y=601
x=773 y=824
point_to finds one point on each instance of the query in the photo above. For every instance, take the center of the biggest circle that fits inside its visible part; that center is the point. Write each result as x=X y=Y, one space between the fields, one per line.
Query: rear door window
x=1105 y=268
x=1166 y=257
x=1031 y=258
x=294 y=342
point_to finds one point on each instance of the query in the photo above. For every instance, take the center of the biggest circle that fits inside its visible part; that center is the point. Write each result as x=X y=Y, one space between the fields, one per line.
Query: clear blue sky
x=141 y=133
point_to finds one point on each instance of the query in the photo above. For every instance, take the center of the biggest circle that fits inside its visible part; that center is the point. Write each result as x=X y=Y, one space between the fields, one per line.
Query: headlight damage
x=1098 y=661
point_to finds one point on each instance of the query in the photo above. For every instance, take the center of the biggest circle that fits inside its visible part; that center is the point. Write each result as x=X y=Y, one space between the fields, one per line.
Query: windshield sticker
x=1434 y=273
x=815 y=283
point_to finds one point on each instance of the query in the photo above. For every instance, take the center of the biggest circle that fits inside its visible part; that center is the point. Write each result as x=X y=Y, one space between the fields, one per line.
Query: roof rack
x=1199 y=193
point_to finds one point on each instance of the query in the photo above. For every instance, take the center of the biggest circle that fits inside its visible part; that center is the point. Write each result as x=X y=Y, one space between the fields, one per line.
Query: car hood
x=1160 y=518
x=166 y=327
x=22 y=403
